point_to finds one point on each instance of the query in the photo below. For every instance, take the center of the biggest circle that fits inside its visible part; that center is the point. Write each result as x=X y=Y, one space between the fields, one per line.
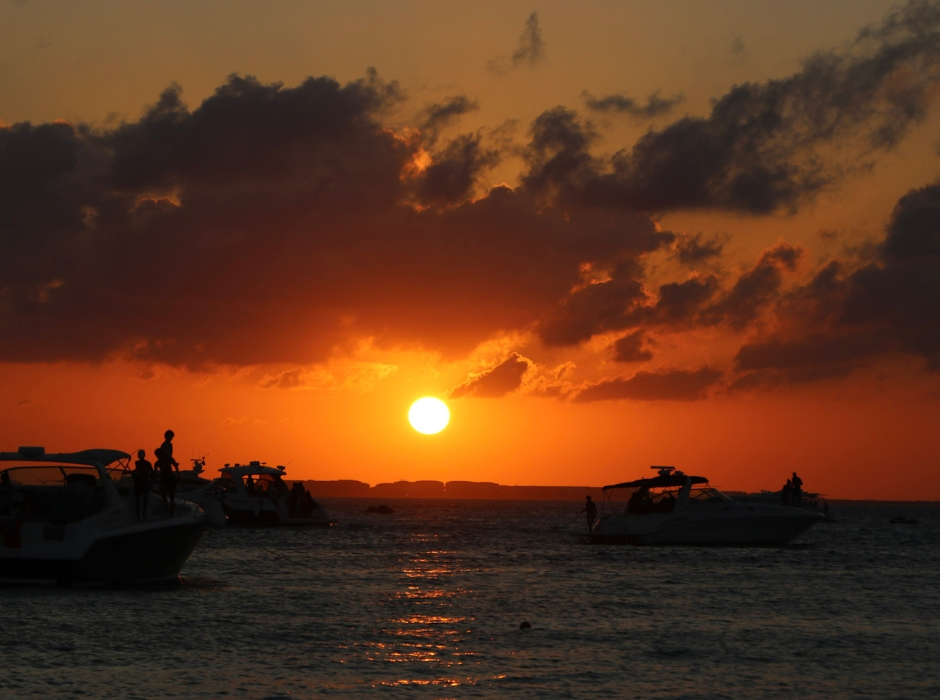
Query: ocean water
x=428 y=601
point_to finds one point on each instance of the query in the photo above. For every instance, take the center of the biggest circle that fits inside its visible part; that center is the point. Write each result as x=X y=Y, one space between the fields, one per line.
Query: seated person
x=639 y=502
x=667 y=503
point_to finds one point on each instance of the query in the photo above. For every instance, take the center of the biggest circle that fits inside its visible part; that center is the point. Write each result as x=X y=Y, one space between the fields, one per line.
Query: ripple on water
x=429 y=600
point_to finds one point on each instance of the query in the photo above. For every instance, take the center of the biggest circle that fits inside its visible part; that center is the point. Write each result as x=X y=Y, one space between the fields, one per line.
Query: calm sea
x=427 y=602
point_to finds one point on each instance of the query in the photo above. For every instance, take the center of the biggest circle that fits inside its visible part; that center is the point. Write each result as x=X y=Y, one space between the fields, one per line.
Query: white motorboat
x=72 y=518
x=255 y=494
x=673 y=508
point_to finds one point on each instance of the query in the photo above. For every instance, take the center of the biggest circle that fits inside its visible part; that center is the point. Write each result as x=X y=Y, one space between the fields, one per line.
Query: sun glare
x=428 y=415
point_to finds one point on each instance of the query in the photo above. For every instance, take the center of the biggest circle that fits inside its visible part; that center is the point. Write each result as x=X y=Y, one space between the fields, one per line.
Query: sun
x=428 y=415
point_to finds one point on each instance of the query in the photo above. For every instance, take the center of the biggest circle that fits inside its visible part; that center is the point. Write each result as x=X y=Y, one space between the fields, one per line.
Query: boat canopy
x=673 y=479
x=97 y=456
x=253 y=468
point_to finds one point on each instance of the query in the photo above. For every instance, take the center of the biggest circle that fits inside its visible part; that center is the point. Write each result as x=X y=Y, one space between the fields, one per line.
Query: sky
x=608 y=236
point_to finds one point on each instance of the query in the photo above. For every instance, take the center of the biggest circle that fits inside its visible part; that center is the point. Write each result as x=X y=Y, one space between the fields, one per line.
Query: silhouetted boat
x=673 y=508
x=903 y=520
x=255 y=494
x=383 y=510
x=72 y=518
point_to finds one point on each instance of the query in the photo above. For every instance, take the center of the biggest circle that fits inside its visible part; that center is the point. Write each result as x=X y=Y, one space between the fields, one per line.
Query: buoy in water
x=525 y=625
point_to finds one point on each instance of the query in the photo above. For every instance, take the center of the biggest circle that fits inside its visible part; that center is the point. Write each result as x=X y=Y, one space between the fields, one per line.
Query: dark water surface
x=427 y=602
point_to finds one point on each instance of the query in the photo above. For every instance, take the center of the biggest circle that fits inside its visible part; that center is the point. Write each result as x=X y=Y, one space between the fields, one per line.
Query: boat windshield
x=57 y=475
x=269 y=484
x=228 y=482
x=707 y=495
x=53 y=493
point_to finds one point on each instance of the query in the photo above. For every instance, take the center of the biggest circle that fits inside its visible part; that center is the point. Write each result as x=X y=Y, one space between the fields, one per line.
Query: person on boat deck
x=167 y=448
x=167 y=478
x=797 y=488
x=293 y=500
x=143 y=481
x=590 y=511
x=785 y=492
x=250 y=484
x=306 y=504
x=640 y=501
x=667 y=503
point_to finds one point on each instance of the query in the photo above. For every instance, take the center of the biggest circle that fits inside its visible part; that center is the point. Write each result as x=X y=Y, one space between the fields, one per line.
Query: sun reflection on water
x=420 y=628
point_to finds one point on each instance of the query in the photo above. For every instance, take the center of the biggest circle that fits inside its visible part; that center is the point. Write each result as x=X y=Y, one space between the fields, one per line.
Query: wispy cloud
x=530 y=50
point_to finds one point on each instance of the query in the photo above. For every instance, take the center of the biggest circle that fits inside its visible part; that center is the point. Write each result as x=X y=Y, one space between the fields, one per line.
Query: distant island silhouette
x=490 y=490
x=482 y=490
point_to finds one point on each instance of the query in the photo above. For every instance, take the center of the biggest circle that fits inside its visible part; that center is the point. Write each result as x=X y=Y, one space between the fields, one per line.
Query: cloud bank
x=281 y=225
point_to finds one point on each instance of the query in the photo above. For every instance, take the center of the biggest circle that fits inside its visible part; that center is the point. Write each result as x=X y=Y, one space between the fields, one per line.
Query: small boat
x=903 y=520
x=72 y=518
x=255 y=494
x=382 y=510
x=192 y=479
x=674 y=508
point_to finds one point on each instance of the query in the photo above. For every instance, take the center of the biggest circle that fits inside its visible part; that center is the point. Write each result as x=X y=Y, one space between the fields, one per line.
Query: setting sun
x=429 y=415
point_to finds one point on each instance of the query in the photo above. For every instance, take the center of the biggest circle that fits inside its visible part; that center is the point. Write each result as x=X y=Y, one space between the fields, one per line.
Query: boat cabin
x=59 y=488
x=253 y=479
x=663 y=492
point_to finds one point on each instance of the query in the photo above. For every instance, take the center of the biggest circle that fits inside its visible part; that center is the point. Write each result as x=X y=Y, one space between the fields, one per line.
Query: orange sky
x=609 y=236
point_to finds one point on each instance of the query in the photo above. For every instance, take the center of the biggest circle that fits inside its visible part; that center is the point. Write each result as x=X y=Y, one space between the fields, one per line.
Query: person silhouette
x=785 y=492
x=167 y=478
x=167 y=448
x=590 y=513
x=143 y=480
x=797 y=488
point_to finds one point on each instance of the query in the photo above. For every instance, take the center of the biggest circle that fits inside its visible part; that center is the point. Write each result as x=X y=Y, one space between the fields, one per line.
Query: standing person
x=785 y=492
x=167 y=448
x=797 y=489
x=167 y=477
x=590 y=511
x=143 y=481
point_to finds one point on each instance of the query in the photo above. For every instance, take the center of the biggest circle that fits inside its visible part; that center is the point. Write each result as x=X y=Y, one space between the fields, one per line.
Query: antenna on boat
x=664 y=471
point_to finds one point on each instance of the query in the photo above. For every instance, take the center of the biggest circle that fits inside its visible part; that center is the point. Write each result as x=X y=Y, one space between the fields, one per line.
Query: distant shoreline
x=491 y=491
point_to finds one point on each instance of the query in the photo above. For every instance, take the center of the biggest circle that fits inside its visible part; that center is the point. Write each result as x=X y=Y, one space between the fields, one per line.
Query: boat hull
x=769 y=526
x=135 y=555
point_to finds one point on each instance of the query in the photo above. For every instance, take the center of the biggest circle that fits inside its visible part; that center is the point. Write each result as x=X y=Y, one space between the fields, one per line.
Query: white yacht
x=255 y=494
x=72 y=518
x=673 y=508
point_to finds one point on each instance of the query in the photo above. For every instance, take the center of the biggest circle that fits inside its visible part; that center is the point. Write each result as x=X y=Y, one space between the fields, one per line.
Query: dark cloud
x=680 y=303
x=629 y=348
x=275 y=225
x=756 y=289
x=767 y=146
x=620 y=104
x=530 y=50
x=843 y=320
x=784 y=361
x=595 y=308
x=621 y=301
x=438 y=115
x=668 y=385
x=455 y=171
x=695 y=250
x=498 y=381
x=557 y=156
